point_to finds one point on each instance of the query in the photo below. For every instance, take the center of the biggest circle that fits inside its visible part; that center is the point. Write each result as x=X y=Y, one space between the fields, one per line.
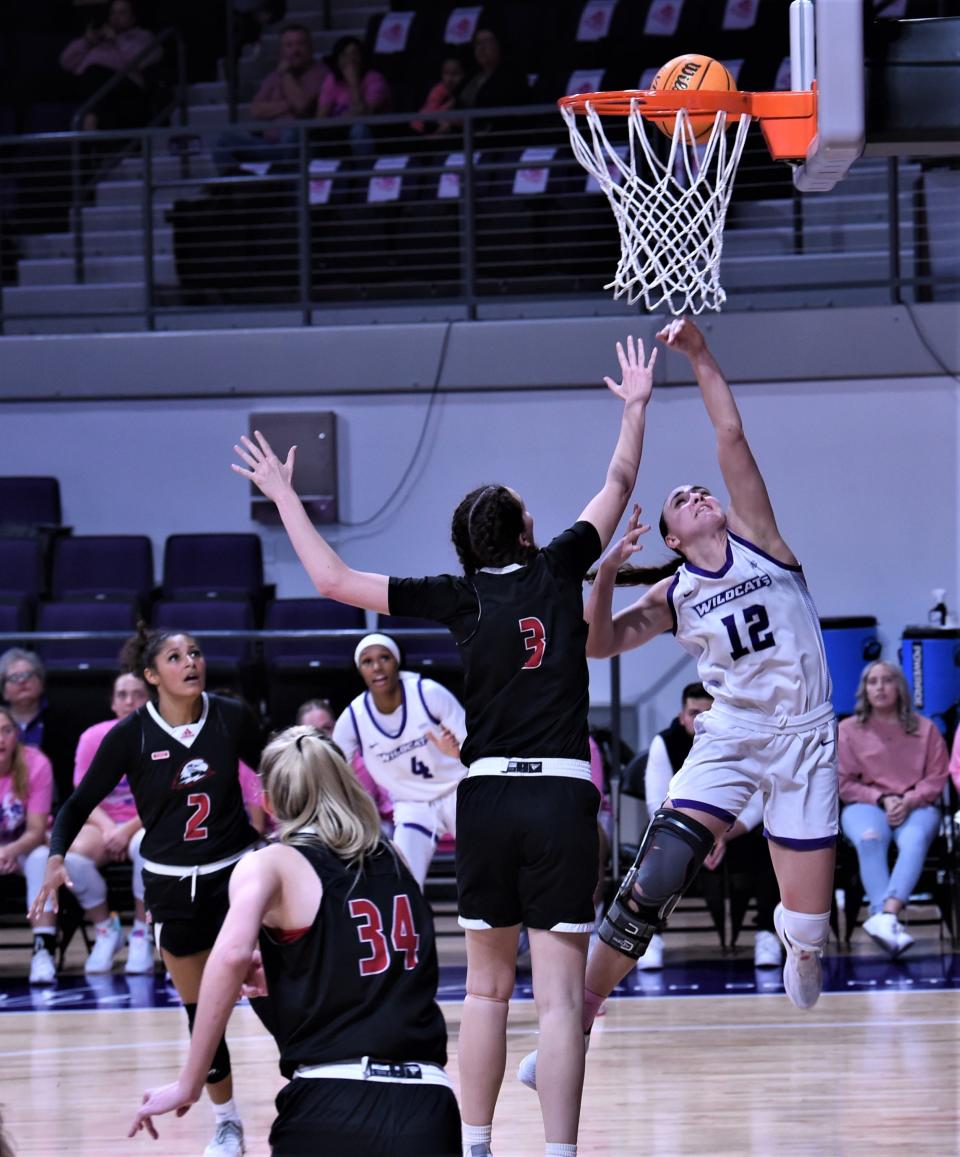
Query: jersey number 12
x=756 y=620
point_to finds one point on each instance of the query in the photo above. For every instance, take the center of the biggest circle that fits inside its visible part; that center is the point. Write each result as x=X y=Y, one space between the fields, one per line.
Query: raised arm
x=606 y=509
x=648 y=617
x=254 y=888
x=750 y=512
x=327 y=570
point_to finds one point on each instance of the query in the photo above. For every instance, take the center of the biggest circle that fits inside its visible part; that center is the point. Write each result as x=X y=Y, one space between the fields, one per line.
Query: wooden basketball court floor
x=874 y=1067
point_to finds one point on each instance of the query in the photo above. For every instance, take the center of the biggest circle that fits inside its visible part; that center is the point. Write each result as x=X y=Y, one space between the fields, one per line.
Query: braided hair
x=486 y=529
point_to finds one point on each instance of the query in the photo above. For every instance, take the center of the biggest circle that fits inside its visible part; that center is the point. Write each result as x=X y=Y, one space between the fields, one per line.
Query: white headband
x=376 y=640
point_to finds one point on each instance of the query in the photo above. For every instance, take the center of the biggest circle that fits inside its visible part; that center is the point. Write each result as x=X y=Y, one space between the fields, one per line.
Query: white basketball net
x=670 y=213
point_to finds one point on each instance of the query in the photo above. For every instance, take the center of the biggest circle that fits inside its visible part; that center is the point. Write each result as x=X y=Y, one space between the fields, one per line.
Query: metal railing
x=298 y=218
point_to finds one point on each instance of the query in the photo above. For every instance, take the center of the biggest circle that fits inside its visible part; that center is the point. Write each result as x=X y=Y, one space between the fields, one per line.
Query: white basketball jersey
x=395 y=748
x=754 y=632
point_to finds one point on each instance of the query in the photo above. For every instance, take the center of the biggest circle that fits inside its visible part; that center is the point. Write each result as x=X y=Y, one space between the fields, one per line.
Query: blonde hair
x=909 y=720
x=315 y=795
x=19 y=775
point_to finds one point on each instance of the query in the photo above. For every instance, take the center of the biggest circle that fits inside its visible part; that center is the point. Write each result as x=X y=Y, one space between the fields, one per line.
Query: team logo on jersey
x=731 y=594
x=192 y=772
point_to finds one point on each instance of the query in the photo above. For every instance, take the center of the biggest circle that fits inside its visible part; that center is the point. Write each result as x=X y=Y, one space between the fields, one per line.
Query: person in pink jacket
x=893 y=767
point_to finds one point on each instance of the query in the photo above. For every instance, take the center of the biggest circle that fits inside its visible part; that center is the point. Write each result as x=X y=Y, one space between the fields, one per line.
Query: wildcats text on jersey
x=731 y=594
x=401 y=749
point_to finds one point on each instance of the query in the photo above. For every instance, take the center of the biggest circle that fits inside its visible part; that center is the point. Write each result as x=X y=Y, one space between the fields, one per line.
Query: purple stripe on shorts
x=801 y=845
x=418 y=828
x=709 y=808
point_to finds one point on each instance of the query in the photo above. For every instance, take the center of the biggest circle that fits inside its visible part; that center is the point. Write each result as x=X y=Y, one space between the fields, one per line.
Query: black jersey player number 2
x=756 y=621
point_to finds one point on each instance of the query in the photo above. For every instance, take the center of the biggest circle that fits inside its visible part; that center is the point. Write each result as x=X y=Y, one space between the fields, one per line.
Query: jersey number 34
x=403 y=934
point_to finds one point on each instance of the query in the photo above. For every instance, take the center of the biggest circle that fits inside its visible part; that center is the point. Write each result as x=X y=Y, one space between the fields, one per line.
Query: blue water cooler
x=930 y=657
x=851 y=643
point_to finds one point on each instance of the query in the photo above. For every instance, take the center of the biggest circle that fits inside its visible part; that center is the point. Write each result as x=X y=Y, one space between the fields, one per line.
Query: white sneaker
x=227 y=1141
x=886 y=930
x=653 y=957
x=42 y=970
x=108 y=943
x=767 y=950
x=527 y=1069
x=802 y=974
x=139 y=952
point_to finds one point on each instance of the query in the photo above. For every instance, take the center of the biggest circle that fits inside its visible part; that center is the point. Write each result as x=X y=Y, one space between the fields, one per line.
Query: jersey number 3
x=196 y=829
x=403 y=935
x=534 y=640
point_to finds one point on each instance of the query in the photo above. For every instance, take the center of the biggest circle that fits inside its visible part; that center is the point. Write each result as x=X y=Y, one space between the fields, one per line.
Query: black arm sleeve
x=249 y=739
x=113 y=758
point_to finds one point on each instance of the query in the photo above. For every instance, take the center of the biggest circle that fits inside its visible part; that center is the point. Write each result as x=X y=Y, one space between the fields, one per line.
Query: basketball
x=685 y=73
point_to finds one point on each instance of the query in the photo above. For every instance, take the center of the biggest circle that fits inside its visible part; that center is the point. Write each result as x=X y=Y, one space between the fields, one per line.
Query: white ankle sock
x=226 y=1112
x=558 y=1149
x=475 y=1135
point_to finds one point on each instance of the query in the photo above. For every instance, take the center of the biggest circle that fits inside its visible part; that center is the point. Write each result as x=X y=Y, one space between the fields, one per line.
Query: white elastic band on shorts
x=368 y=1069
x=195 y=870
x=775 y=724
x=530 y=766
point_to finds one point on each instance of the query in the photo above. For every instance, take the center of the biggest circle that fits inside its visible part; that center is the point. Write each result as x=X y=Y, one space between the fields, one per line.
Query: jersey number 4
x=756 y=621
x=196 y=829
x=534 y=640
x=403 y=934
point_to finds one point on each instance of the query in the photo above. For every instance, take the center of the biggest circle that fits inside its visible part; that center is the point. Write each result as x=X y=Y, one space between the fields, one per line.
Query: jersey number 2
x=195 y=829
x=534 y=640
x=403 y=935
x=756 y=620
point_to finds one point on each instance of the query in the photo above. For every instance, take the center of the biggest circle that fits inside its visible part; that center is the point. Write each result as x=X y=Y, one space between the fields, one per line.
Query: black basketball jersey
x=522 y=639
x=188 y=798
x=362 y=981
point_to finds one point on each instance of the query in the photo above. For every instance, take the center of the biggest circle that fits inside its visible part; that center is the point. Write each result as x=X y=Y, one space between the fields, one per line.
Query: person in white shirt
x=408 y=731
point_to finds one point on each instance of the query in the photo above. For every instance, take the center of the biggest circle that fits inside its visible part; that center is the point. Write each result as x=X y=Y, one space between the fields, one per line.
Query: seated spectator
x=112 y=834
x=441 y=98
x=287 y=95
x=746 y=851
x=353 y=89
x=955 y=760
x=23 y=689
x=494 y=83
x=893 y=767
x=97 y=56
x=26 y=791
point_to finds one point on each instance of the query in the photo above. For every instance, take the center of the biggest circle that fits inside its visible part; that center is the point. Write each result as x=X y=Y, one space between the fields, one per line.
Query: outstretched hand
x=683 y=335
x=271 y=476
x=621 y=552
x=54 y=877
x=163 y=1100
x=637 y=382
x=445 y=740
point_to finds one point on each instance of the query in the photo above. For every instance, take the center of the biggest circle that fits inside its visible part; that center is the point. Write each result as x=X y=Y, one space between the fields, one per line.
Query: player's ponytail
x=642 y=576
x=314 y=795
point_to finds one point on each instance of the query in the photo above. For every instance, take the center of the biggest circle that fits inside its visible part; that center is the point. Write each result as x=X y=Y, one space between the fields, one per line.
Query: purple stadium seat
x=212 y=566
x=101 y=566
x=21 y=569
x=213 y=615
x=82 y=654
x=29 y=501
x=14 y=616
x=311 y=614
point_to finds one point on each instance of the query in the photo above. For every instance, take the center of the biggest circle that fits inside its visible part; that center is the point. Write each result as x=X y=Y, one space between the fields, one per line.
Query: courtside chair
x=99 y=567
x=21 y=570
x=215 y=566
x=84 y=654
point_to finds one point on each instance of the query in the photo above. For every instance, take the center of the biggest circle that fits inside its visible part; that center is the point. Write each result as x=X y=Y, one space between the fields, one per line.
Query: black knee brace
x=220 y=1065
x=673 y=848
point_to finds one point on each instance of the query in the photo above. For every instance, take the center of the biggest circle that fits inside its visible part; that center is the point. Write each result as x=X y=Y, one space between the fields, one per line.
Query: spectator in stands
x=893 y=767
x=23 y=689
x=494 y=83
x=26 y=792
x=287 y=95
x=112 y=834
x=743 y=845
x=98 y=55
x=441 y=98
x=353 y=89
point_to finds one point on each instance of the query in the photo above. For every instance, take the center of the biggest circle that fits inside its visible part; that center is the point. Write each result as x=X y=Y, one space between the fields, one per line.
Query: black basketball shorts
x=527 y=852
x=185 y=926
